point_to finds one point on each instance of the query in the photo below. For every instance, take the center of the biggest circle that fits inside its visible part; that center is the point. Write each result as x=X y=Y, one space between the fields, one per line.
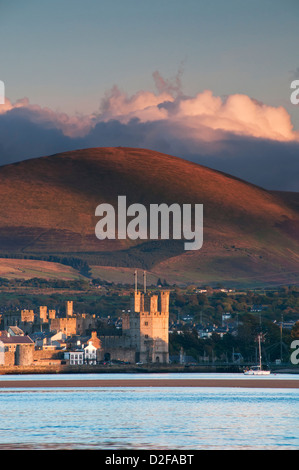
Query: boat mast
x=260 y=352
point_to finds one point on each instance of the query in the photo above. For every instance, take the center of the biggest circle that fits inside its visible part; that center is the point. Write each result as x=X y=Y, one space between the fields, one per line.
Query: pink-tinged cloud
x=199 y=116
x=143 y=105
x=238 y=114
x=202 y=118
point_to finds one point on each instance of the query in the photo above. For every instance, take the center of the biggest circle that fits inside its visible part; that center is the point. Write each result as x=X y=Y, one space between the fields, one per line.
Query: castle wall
x=85 y=322
x=118 y=348
x=67 y=325
x=9 y=358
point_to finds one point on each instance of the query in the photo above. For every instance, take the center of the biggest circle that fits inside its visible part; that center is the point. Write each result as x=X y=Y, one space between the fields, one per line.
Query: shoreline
x=58 y=369
x=254 y=382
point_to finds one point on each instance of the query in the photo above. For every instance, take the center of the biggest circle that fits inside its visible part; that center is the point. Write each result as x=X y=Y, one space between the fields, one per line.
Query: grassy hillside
x=27 y=269
x=47 y=206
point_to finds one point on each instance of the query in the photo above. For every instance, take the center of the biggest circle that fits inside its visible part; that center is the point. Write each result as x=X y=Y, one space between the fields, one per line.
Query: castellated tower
x=69 y=308
x=43 y=314
x=148 y=325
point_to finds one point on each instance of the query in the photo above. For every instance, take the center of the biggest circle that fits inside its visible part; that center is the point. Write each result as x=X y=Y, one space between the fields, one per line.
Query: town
x=144 y=326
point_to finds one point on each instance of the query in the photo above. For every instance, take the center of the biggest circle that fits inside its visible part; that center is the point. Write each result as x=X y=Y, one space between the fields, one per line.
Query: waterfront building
x=16 y=350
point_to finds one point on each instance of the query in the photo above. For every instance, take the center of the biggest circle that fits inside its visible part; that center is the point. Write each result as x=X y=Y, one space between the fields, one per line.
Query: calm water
x=154 y=418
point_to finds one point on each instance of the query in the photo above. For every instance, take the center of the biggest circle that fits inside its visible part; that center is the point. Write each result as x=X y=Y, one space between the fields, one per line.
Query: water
x=148 y=418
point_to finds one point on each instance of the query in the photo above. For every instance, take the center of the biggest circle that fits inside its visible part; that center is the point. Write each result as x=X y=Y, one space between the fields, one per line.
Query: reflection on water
x=164 y=418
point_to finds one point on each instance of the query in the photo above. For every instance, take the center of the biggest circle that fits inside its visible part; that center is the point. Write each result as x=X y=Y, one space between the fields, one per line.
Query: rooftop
x=16 y=339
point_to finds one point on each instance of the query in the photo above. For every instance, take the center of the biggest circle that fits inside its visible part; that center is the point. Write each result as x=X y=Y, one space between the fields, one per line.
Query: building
x=75 y=358
x=93 y=351
x=17 y=350
x=15 y=331
x=80 y=354
x=145 y=330
x=90 y=354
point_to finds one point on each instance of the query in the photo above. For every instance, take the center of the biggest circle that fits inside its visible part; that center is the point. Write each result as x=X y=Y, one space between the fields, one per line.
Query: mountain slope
x=48 y=206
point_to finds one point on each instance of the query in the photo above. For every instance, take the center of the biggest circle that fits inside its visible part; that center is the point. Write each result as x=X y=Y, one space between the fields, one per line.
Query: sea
x=150 y=418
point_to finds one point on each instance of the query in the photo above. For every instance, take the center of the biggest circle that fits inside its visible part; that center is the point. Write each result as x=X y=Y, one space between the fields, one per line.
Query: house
x=226 y=316
x=206 y=332
x=90 y=354
x=221 y=331
x=75 y=357
x=93 y=350
x=83 y=350
x=38 y=338
x=258 y=308
x=57 y=340
x=15 y=331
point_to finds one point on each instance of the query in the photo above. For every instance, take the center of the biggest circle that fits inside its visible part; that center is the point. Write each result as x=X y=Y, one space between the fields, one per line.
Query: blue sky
x=67 y=55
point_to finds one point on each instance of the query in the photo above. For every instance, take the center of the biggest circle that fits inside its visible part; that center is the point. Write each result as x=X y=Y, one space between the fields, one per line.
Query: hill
x=47 y=207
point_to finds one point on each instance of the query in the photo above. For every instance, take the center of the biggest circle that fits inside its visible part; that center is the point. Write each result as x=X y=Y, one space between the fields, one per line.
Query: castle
x=145 y=327
x=145 y=330
x=30 y=322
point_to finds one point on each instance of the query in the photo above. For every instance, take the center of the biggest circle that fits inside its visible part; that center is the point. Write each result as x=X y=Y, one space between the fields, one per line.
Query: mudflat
x=254 y=382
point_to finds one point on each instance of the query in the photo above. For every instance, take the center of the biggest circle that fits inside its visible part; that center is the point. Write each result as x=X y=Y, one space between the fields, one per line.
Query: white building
x=90 y=352
x=76 y=358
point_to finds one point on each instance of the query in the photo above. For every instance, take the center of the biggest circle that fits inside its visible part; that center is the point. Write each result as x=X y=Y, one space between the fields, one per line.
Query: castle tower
x=27 y=316
x=52 y=314
x=164 y=299
x=69 y=308
x=43 y=315
x=136 y=302
x=148 y=325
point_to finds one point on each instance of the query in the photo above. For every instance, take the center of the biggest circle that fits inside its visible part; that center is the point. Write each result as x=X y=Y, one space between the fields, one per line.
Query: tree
x=295 y=331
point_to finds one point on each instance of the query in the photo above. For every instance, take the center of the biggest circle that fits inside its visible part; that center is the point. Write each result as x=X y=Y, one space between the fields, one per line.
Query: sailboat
x=257 y=370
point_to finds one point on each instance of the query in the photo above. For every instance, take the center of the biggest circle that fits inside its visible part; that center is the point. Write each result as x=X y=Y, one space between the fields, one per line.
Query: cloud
x=237 y=114
x=72 y=126
x=235 y=133
x=143 y=105
x=197 y=116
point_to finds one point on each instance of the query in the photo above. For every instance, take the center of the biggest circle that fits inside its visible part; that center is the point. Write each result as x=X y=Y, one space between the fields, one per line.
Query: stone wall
x=9 y=358
x=67 y=325
x=40 y=354
x=24 y=354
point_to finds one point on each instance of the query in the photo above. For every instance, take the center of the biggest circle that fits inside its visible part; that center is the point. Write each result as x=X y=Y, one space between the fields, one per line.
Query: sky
x=204 y=80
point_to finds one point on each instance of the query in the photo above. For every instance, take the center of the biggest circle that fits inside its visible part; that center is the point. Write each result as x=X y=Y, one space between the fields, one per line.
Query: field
x=28 y=269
